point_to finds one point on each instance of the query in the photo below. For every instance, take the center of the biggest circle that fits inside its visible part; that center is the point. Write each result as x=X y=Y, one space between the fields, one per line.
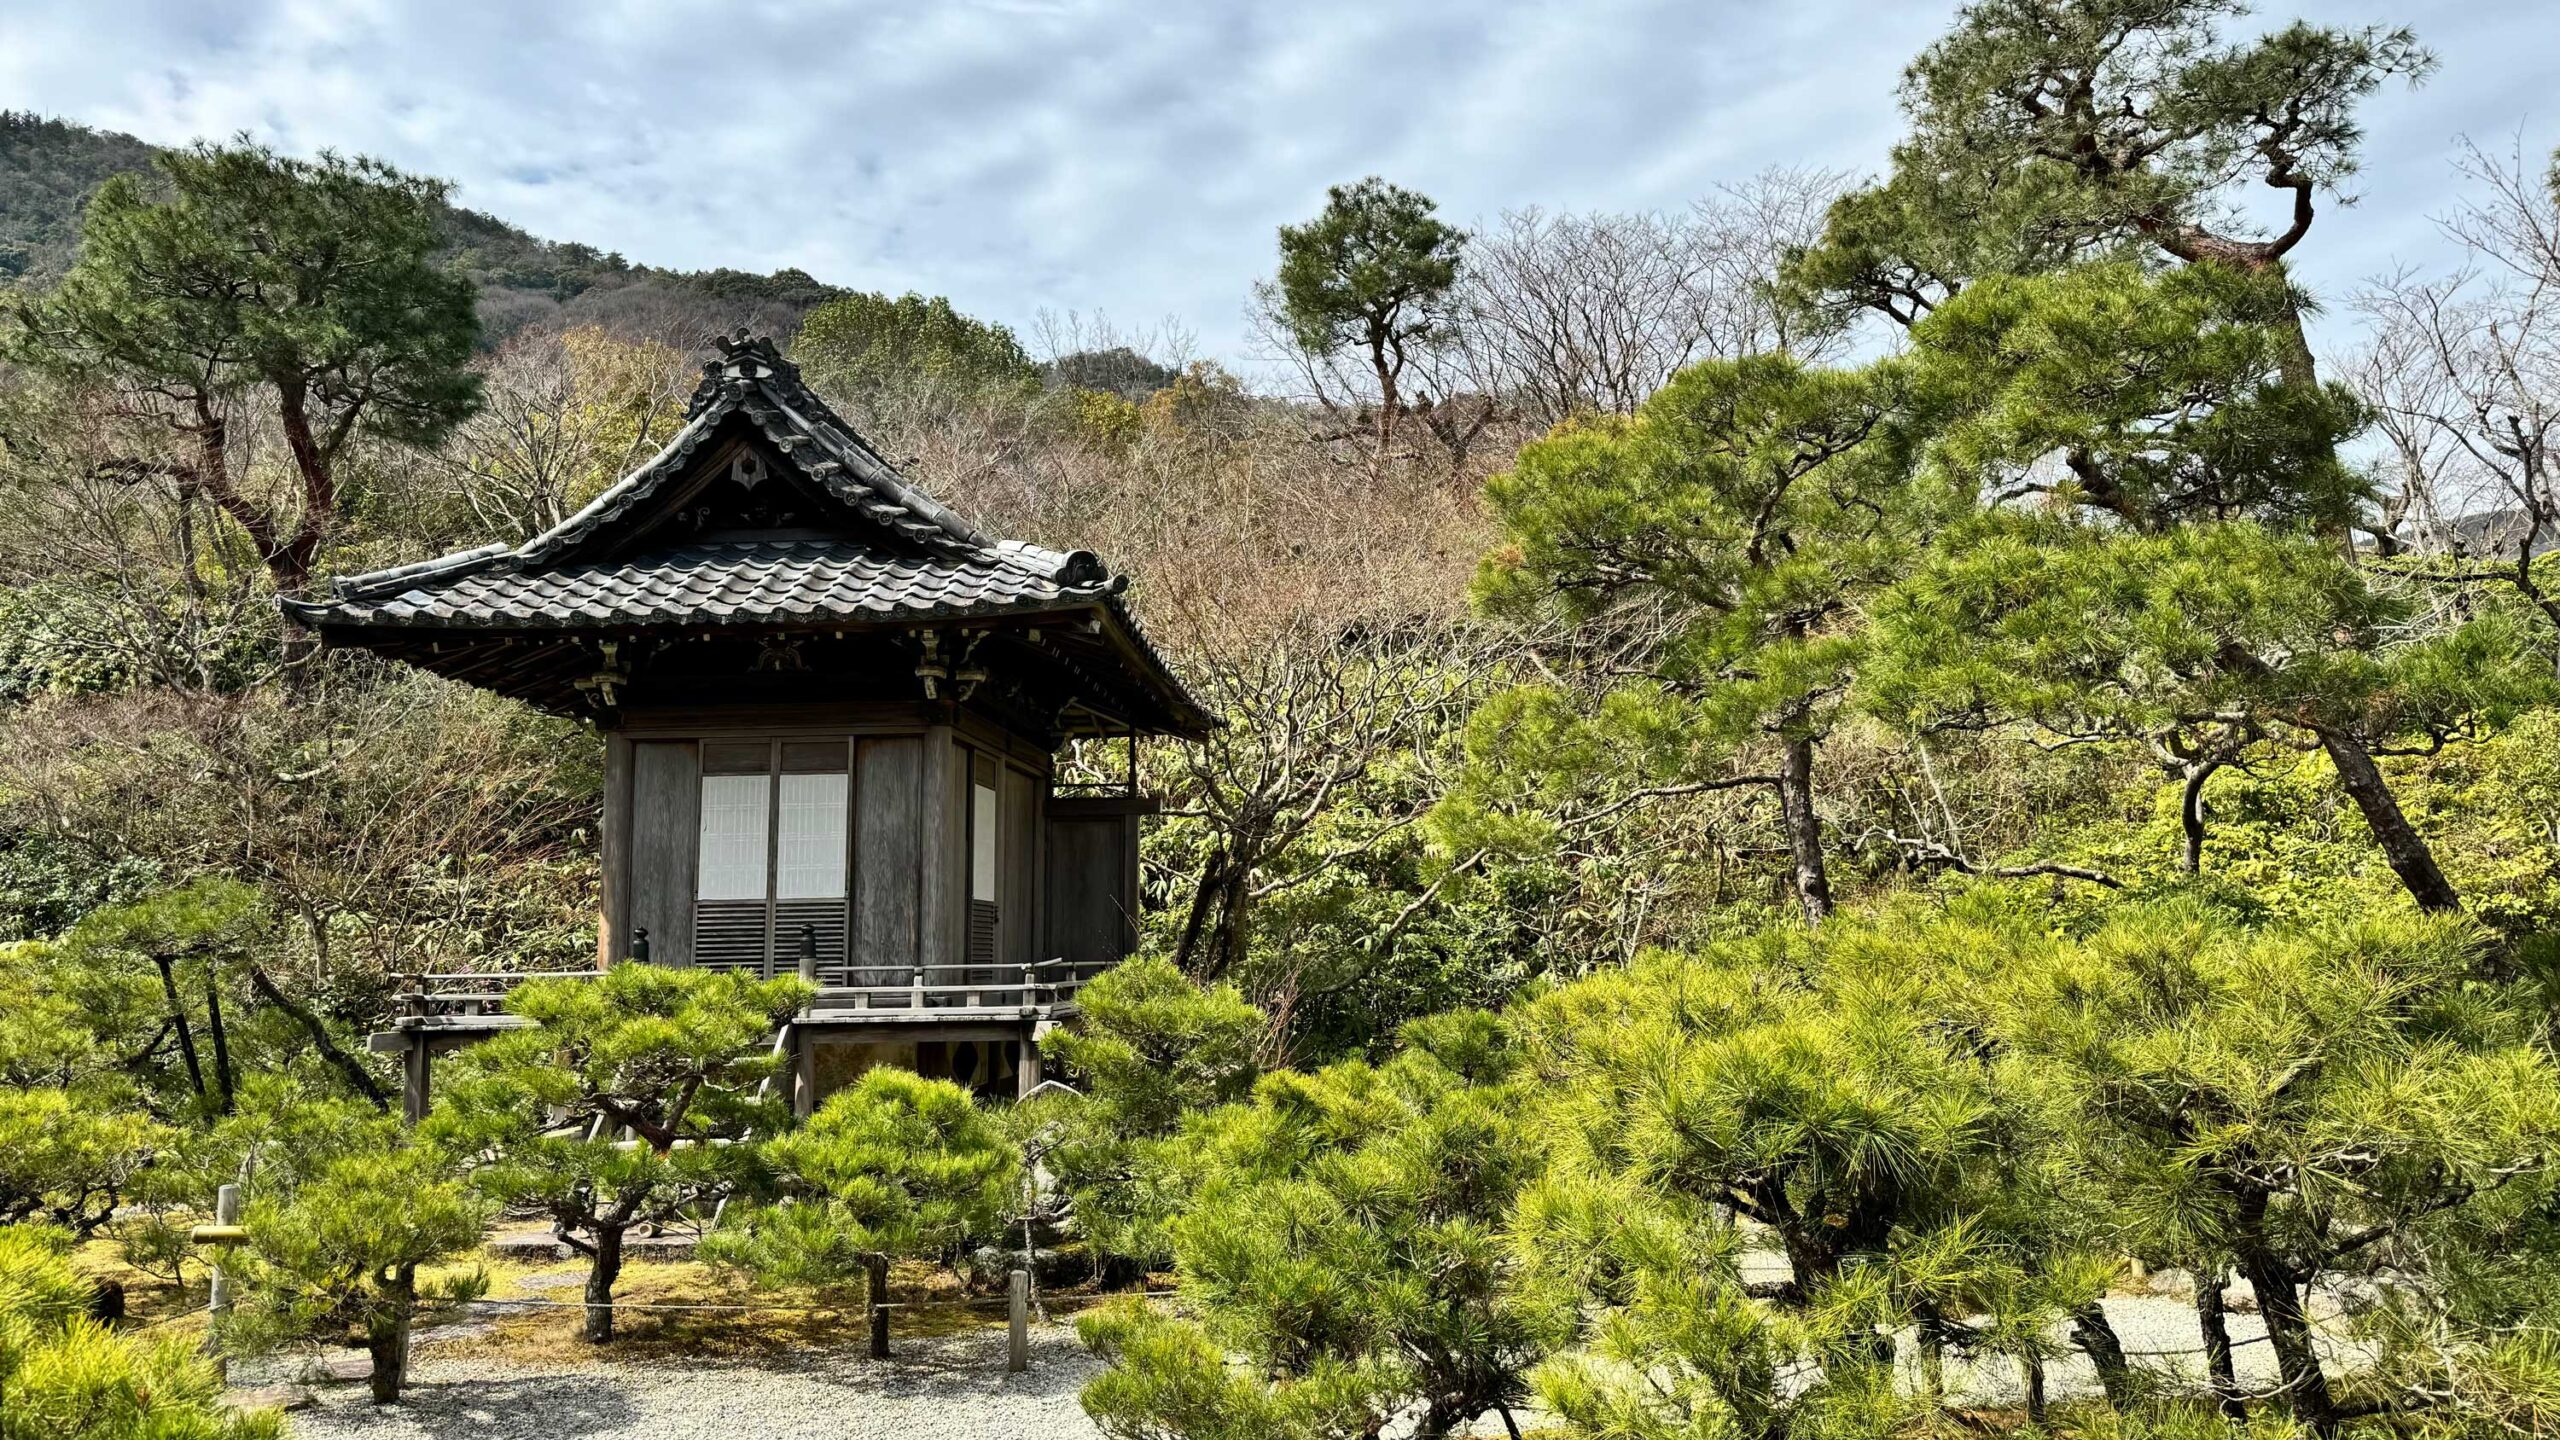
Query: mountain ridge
x=50 y=166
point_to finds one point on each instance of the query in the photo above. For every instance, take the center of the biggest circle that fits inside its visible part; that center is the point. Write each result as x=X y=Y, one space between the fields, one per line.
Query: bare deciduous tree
x=1580 y=314
x=1314 y=708
x=564 y=415
x=2464 y=372
x=157 y=588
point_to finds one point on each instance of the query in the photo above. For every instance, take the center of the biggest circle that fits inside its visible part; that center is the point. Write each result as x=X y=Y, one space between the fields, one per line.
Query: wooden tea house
x=832 y=711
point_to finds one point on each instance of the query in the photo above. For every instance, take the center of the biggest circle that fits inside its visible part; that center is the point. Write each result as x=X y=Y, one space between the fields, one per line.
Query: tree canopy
x=334 y=320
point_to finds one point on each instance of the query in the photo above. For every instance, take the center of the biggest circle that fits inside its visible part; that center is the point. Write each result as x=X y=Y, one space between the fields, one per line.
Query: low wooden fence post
x=877 y=1277
x=1017 y=1352
x=225 y=1231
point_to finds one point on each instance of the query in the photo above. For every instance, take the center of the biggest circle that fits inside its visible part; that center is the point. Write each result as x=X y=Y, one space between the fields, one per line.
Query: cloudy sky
x=1131 y=158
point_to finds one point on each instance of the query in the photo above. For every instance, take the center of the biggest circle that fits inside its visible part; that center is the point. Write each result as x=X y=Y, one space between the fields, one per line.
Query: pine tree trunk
x=2191 y=813
x=602 y=1271
x=221 y=1039
x=178 y=1019
x=2095 y=1334
x=2211 y=1321
x=2306 y=1385
x=2031 y=1379
x=1389 y=402
x=387 y=1339
x=2402 y=846
x=318 y=1034
x=1804 y=829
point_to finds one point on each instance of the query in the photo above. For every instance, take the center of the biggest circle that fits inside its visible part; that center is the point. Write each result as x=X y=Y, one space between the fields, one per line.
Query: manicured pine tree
x=1714 y=552
x=1155 y=1048
x=892 y=1166
x=67 y=1160
x=1345 y=1244
x=1824 y=1089
x=344 y=1248
x=2347 y=1108
x=620 y=1105
x=64 y=1376
x=2142 y=565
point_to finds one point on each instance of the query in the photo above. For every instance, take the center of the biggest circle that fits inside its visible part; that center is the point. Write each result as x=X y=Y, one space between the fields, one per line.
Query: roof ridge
x=751 y=374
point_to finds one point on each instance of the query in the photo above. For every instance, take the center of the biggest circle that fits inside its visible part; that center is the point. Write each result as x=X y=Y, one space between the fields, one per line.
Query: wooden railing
x=841 y=986
x=1041 y=984
x=471 y=992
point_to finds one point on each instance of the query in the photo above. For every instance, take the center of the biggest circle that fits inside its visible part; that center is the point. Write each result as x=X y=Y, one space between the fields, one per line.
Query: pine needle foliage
x=620 y=1104
x=892 y=1165
x=1345 y=1245
x=1155 y=1048
x=64 y=1376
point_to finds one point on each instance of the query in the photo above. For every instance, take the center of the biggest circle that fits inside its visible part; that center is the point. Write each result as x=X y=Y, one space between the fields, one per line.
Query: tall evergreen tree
x=1715 y=551
x=2162 y=593
x=2047 y=131
x=1372 y=273
x=245 y=283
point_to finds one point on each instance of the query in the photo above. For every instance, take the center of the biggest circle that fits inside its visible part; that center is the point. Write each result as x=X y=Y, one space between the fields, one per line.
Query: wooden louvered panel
x=729 y=935
x=827 y=917
x=982 y=934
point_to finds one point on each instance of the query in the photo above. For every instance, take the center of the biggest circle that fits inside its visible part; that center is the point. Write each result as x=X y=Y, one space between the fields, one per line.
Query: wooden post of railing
x=414 y=1057
x=917 y=997
x=1017 y=1349
x=876 y=1277
x=1026 y=1070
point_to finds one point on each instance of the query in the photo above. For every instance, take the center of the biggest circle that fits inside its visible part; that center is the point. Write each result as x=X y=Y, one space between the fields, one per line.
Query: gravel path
x=955 y=1388
x=950 y=1388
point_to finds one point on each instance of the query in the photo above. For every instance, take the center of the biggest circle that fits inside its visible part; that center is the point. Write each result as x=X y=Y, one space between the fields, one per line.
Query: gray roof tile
x=906 y=558
x=740 y=582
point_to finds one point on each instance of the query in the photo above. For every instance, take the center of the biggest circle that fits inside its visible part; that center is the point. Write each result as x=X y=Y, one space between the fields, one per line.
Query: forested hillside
x=1811 y=790
x=50 y=166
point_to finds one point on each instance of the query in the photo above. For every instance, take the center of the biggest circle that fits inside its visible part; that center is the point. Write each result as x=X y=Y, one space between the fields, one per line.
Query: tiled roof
x=892 y=555
x=727 y=583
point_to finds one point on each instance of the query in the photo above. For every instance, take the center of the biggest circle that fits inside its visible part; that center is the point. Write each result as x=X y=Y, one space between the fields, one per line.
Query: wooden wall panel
x=666 y=800
x=888 y=836
x=1088 y=875
x=1017 y=881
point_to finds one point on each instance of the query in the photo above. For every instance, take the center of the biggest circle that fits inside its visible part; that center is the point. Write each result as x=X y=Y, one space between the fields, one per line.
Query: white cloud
x=1096 y=154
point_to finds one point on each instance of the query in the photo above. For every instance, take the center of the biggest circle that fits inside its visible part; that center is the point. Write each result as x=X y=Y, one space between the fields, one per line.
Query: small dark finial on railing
x=640 y=944
x=809 y=953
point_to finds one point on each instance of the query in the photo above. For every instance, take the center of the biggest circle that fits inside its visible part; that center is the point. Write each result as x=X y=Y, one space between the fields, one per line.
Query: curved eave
x=1178 y=714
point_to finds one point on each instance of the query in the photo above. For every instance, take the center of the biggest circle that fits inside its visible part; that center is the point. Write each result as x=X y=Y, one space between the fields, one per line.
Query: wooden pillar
x=413 y=1066
x=804 y=1071
x=217 y=1304
x=942 y=887
x=613 y=925
x=803 y=1045
x=1026 y=1071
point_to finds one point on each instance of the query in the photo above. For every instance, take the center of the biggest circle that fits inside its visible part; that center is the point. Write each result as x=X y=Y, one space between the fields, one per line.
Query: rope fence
x=851 y=1307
